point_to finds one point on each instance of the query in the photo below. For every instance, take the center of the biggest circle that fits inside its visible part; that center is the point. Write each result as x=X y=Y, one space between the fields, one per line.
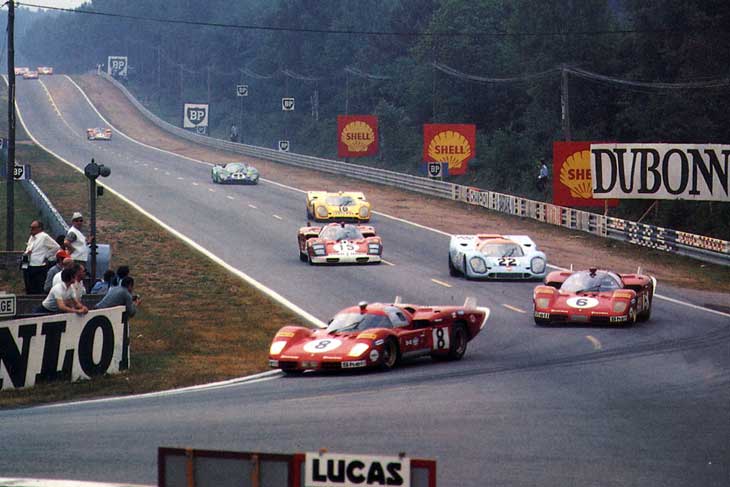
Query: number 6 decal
x=440 y=338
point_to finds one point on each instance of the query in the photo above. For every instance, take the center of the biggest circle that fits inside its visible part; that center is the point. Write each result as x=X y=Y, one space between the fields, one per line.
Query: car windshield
x=236 y=167
x=504 y=249
x=358 y=322
x=340 y=200
x=585 y=281
x=346 y=232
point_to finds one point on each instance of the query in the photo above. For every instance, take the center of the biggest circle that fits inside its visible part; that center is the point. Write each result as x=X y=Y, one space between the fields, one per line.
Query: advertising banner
x=333 y=469
x=452 y=143
x=661 y=171
x=357 y=135
x=195 y=116
x=572 y=182
x=117 y=66
x=63 y=347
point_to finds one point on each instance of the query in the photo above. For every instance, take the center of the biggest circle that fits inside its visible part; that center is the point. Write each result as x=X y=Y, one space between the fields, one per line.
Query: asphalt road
x=645 y=406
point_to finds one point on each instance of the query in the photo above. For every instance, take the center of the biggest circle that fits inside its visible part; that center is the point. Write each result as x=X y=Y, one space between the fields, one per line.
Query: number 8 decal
x=440 y=338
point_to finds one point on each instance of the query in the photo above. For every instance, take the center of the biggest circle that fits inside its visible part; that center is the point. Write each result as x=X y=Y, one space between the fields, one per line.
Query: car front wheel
x=390 y=354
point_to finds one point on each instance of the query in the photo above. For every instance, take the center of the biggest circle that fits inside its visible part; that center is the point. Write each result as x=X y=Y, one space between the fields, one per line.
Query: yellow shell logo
x=576 y=175
x=357 y=136
x=451 y=147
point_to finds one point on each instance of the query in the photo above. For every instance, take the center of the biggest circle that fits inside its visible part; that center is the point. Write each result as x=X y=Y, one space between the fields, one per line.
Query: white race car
x=487 y=256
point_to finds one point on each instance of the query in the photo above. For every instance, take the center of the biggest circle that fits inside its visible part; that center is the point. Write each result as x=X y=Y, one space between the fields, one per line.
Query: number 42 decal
x=440 y=338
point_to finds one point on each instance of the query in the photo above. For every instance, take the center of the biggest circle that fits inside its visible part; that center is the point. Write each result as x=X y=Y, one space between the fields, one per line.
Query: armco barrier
x=703 y=248
x=56 y=224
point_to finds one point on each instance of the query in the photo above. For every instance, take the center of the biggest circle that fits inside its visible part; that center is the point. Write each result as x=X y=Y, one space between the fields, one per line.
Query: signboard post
x=284 y=145
x=195 y=117
x=287 y=104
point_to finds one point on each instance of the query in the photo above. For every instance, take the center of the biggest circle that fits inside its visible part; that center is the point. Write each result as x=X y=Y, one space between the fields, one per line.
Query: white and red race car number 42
x=440 y=338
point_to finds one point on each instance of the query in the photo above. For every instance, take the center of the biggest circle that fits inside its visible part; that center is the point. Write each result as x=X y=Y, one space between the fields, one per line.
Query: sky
x=56 y=3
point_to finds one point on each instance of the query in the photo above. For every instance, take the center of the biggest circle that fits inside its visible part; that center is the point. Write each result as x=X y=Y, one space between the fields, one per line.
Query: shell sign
x=452 y=143
x=572 y=181
x=358 y=135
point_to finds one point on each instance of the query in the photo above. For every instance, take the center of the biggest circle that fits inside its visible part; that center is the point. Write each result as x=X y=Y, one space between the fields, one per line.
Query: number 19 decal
x=440 y=338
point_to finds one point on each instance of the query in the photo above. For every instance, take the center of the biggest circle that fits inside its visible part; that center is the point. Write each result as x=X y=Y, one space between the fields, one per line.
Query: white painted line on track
x=230 y=197
x=156 y=169
x=596 y=344
x=256 y=284
x=251 y=206
x=211 y=190
x=441 y=283
x=196 y=184
x=167 y=173
x=387 y=262
x=179 y=178
x=58 y=111
x=277 y=217
x=23 y=482
x=514 y=308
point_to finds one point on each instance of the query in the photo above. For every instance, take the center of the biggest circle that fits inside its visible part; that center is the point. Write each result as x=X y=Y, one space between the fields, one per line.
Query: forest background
x=493 y=63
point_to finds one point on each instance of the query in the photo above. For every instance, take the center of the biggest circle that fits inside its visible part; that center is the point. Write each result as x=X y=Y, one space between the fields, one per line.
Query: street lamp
x=93 y=171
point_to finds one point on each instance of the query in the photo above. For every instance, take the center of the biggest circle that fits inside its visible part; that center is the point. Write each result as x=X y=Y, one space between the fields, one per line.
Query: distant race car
x=487 y=256
x=45 y=70
x=378 y=335
x=99 y=134
x=21 y=70
x=30 y=75
x=234 y=173
x=594 y=296
x=340 y=206
x=339 y=243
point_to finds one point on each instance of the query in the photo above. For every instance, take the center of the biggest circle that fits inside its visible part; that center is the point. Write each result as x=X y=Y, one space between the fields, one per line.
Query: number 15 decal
x=440 y=338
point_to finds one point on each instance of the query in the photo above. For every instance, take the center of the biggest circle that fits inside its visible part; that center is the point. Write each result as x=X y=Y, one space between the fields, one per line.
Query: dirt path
x=563 y=247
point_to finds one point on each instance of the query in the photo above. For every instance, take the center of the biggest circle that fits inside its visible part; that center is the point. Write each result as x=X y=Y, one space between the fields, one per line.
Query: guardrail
x=50 y=215
x=700 y=247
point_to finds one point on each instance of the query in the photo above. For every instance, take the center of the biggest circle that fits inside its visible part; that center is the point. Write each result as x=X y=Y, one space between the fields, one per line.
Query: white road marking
x=513 y=308
x=386 y=262
x=211 y=190
x=167 y=173
x=55 y=107
x=15 y=481
x=441 y=283
x=195 y=184
x=277 y=217
x=230 y=197
x=596 y=344
x=156 y=169
x=251 y=206
x=179 y=178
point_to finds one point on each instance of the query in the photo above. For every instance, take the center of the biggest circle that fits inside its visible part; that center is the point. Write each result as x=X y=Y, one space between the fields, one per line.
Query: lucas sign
x=335 y=470
x=63 y=347
x=661 y=171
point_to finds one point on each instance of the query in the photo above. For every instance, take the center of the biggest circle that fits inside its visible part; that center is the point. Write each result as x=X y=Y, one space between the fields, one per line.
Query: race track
x=645 y=406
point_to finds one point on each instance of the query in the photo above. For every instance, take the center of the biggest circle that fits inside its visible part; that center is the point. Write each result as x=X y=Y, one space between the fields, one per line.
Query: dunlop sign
x=661 y=171
x=63 y=347
x=195 y=115
x=7 y=304
x=335 y=470
x=117 y=66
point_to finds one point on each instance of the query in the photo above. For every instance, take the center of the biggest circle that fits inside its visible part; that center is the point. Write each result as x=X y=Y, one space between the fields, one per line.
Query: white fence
x=697 y=246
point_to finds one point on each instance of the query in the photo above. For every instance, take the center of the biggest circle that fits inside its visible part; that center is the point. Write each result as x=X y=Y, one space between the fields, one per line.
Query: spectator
x=76 y=242
x=122 y=272
x=61 y=241
x=234 y=133
x=60 y=298
x=102 y=286
x=61 y=255
x=542 y=177
x=39 y=251
x=121 y=295
x=78 y=287
x=68 y=263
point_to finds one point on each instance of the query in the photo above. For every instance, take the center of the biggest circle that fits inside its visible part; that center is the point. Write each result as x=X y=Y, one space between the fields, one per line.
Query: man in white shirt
x=41 y=249
x=60 y=298
x=76 y=241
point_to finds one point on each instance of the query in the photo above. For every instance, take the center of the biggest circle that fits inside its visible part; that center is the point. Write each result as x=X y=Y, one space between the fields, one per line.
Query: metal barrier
x=700 y=247
x=49 y=214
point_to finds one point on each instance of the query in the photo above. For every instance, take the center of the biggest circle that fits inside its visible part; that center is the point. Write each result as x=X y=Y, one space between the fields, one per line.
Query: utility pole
x=181 y=87
x=10 y=178
x=208 y=68
x=564 y=104
x=159 y=77
x=347 y=92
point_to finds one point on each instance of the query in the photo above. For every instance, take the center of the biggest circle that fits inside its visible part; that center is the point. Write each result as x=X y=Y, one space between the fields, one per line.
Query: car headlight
x=542 y=302
x=277 y=347
x=319 y=249
x=478 y=265
x=359 y=349
x=364 y=212
x=620 y=306
x=321 y=212
x=537 y=264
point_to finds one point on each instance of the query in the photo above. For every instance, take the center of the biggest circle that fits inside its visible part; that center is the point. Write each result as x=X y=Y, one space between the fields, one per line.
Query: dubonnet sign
x=63 y=347
x=572 y=180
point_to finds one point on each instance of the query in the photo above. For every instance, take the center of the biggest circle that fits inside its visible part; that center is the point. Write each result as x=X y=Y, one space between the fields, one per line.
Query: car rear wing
x=469 y=302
